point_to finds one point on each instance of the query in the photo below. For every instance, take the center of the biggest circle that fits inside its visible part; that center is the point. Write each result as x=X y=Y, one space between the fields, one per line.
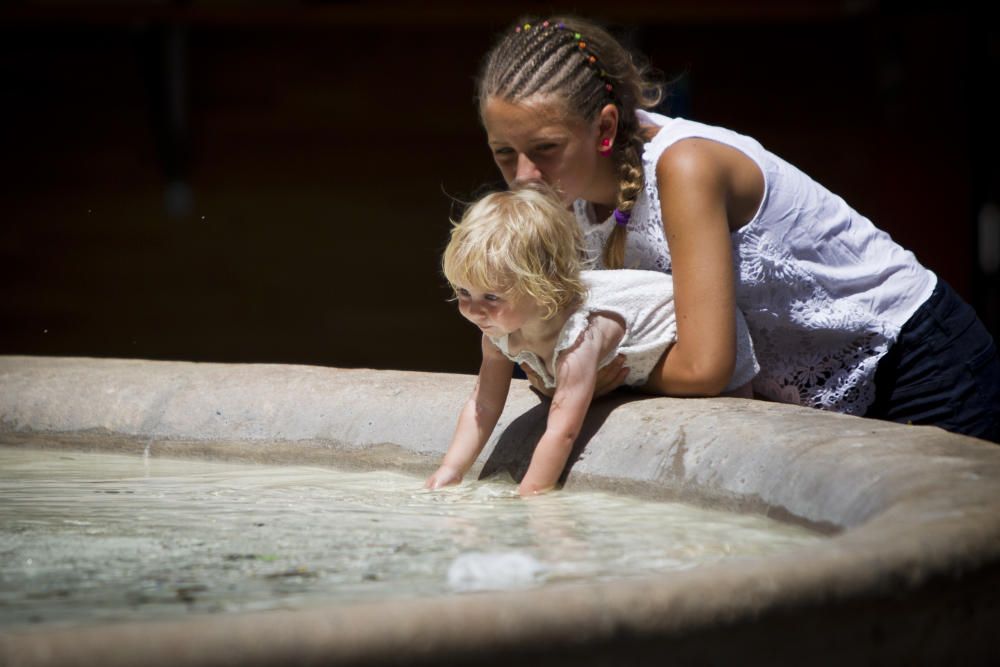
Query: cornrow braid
x=547 y=57
x=586 y=68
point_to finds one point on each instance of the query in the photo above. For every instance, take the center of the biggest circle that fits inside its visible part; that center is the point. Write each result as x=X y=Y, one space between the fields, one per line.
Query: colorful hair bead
x=589 y=57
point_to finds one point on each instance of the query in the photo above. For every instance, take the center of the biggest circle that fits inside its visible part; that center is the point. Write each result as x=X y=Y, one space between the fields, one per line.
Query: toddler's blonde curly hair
x=520 y=243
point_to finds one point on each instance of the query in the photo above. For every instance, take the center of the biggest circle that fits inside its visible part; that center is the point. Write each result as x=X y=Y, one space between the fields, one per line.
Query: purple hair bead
x=621 y=218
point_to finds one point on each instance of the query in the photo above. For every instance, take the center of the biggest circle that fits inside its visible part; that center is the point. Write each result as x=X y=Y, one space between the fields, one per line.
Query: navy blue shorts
x=943 y=370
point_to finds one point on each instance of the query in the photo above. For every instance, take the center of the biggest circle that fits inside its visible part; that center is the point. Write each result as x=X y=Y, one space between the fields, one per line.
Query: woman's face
x=537 y=141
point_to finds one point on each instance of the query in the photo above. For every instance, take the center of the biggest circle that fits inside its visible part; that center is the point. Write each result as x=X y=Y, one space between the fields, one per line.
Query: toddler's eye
x=491 y=297
x=461 y=291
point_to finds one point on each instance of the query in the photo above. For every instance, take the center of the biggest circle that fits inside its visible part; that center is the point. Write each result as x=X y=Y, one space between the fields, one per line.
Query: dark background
x=271 y=181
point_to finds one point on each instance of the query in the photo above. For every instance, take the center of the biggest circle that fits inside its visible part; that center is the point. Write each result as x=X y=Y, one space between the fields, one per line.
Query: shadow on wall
x=276 y=187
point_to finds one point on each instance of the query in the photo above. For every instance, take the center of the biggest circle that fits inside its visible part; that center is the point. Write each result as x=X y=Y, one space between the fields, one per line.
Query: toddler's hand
x=529 y=491
x=443 y=476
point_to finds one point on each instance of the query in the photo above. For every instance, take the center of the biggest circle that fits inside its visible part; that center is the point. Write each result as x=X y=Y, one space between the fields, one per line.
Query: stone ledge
x=916 y=511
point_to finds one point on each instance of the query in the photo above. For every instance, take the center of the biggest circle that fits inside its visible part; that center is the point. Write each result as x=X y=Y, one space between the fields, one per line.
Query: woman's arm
x=706 y=189
x=477 y=419
x=576 y=372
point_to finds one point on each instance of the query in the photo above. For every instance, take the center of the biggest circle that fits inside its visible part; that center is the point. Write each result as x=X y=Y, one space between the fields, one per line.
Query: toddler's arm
x=477 y=419
x=576 y=373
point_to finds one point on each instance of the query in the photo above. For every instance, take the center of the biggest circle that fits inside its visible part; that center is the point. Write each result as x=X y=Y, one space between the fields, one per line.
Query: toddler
x=516 y=264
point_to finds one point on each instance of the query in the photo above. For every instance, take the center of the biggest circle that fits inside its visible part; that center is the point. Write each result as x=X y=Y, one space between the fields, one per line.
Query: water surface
x=92 y=537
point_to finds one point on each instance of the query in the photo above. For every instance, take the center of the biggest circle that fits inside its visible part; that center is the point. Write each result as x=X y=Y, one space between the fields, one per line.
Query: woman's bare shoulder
x=703 y=169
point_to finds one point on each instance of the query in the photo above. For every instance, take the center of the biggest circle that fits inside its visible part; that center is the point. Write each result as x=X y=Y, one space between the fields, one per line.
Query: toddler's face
x=535 y=141
x=495 y=314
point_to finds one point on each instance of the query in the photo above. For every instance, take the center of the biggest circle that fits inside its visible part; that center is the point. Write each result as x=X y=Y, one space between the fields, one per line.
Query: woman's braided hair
x=580 y=63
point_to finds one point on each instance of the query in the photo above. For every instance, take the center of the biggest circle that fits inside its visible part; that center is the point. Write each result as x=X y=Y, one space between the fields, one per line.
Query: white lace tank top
x=644 y=300
x=824 y=291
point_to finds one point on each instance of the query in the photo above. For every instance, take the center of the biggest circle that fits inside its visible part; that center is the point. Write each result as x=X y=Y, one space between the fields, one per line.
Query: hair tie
x=622 y=217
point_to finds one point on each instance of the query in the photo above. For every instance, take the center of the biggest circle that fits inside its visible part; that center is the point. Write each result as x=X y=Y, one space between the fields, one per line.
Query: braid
x=630 y=184
x=586 y=68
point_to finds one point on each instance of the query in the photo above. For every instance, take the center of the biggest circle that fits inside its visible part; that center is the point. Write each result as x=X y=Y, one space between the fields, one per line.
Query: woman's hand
x=536 y=381
x=609 y=378
x=444 y=476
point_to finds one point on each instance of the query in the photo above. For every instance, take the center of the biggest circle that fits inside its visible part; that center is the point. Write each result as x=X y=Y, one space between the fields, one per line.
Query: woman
x=842 y=317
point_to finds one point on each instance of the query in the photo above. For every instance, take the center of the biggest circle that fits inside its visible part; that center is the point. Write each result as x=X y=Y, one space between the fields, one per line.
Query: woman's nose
x=527 y=171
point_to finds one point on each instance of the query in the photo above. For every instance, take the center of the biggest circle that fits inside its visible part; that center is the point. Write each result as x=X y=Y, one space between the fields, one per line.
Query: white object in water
x=478 y=571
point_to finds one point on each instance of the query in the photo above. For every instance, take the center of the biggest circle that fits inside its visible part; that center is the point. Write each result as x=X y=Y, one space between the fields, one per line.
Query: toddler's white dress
x=644 y=300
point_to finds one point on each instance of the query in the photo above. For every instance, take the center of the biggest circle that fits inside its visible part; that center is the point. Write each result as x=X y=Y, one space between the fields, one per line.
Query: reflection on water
x=88 y=537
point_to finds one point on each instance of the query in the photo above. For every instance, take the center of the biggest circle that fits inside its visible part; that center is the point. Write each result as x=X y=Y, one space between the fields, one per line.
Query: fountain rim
x=918 y=505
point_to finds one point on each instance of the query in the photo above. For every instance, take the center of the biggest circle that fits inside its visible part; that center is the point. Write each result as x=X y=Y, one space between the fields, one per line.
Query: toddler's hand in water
x=536 y=381
x=443 y=476
x=527 y=491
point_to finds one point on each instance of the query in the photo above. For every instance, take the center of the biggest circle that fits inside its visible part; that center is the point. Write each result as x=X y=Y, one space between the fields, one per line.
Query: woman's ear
x=607 y=126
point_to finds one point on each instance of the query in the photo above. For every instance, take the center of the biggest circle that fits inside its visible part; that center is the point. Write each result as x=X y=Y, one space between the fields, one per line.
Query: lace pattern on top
x=645 y=233
x=814 y=350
